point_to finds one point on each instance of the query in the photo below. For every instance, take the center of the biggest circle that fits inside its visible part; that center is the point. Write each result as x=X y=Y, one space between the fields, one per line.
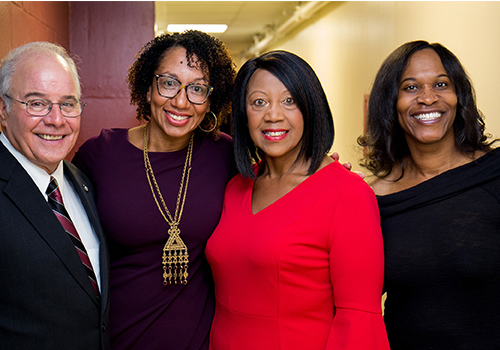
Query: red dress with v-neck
x=306 y=272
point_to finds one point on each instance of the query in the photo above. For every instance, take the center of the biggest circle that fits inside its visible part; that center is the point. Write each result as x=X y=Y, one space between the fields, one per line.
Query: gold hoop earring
x=213 y=127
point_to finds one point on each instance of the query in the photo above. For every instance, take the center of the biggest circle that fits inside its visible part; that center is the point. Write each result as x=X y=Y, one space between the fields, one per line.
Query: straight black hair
x=305 y=87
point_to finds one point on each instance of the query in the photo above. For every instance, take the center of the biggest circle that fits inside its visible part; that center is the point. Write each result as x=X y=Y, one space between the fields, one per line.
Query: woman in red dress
x=297 y=256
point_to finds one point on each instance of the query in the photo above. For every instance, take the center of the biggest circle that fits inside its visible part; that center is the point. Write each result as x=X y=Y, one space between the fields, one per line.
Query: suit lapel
x=83 y=189
x=23 y=192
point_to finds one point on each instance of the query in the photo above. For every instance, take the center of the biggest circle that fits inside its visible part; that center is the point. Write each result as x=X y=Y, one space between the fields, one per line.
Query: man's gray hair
x=8 y=64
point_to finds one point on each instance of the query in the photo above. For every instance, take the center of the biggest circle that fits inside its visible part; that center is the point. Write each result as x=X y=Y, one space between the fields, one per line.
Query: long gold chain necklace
x=175 y=259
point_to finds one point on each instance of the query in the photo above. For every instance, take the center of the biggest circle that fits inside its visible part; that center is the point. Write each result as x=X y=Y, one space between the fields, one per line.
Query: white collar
x=39 y=175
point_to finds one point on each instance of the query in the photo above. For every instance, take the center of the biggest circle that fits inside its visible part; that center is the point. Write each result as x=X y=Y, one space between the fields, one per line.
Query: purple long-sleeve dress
x=145 y=314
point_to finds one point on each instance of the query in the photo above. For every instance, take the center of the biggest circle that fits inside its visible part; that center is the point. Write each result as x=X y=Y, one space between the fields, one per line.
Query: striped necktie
x=56 y=204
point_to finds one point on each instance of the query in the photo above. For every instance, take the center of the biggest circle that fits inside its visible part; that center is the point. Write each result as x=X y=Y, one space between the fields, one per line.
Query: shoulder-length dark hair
x=216 y=65
x=304 y=86
x=385 y=140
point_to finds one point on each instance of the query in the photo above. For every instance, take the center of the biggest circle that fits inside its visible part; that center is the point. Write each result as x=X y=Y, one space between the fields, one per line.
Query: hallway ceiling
x=244 y=19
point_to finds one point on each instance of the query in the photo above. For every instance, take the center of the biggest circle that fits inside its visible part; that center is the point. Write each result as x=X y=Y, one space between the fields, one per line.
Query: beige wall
x=347 y=41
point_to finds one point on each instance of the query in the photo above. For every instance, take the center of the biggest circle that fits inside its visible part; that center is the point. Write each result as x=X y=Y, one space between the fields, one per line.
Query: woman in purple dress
x=160 y=189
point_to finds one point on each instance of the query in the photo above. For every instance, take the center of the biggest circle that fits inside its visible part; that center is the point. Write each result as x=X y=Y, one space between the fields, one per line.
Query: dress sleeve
x=356 y=270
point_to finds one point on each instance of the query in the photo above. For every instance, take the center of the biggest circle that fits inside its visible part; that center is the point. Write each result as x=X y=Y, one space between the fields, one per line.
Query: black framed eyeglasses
x=42 y=107
x=169 y=87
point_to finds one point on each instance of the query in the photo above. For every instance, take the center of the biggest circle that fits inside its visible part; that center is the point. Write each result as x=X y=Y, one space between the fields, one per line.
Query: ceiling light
x=207 y=28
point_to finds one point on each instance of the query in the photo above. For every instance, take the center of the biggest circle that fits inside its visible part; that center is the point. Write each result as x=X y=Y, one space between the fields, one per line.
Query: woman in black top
x=437 y=179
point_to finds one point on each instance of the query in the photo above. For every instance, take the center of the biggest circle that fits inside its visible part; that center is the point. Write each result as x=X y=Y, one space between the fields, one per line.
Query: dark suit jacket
x=46 y=299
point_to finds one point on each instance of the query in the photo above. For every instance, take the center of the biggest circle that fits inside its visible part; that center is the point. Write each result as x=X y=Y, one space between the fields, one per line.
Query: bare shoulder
x=389 y=184
x=381 y=187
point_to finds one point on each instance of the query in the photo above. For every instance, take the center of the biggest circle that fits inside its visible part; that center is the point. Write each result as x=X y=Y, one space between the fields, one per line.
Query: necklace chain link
x=175 y=257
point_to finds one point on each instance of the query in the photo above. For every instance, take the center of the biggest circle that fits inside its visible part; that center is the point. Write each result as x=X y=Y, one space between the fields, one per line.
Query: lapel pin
x=85 y=187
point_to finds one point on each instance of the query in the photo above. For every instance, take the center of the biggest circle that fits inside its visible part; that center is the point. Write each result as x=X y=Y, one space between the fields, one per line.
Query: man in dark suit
x=53 y=258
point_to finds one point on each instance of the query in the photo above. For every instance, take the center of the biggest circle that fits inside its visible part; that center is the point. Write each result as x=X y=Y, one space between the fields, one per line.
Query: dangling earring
x=213 y=127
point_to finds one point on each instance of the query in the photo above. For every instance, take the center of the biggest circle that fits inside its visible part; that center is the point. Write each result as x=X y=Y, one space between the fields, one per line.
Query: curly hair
x=385 y=141
x=299 y=78
x=215 y=63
